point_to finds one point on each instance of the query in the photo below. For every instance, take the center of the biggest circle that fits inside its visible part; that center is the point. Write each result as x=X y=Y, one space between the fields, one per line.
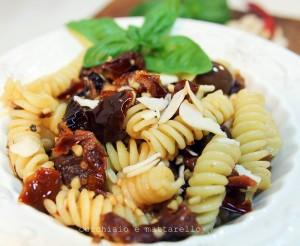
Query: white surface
x=22 y=20
x=281 y=8
x=267 y=67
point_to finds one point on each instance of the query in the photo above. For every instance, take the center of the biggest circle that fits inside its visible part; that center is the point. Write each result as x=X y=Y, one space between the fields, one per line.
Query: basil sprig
x=163 y=53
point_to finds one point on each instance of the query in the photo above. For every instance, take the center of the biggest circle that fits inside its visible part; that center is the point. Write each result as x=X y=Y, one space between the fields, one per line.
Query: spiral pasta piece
x=255 y=130
x=122 y=156
x=139 y=118
x=56 y=83
x=217 y=106
x=153 y=186
x=34 y=102
x=167 y=138
x=84 y=208
x=207 y=184
x=23 y=126
x=56 y=117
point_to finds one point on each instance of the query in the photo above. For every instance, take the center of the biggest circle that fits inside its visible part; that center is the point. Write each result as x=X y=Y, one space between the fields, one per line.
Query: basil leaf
x=96 y=30
x=214 y=11
x=109 y=47
x=160 y=19
x=178 y=54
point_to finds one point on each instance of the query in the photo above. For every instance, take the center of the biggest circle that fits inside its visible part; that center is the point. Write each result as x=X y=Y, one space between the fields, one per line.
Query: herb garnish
x=163 y=53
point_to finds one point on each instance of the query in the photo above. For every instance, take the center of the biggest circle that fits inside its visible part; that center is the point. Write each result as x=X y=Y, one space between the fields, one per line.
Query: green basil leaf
x=109 y=47
x=214 y=11
x=97 y=29
x=160 y=19
x=177 y=55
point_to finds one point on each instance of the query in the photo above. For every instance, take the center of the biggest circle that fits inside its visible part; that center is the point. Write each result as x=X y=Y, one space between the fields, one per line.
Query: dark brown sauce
x=44 y=183
x=176 y=225
x=219 y=76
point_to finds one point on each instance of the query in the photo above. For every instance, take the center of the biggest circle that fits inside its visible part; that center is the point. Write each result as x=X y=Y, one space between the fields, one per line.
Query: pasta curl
x=139 y=118
x=84 y=208
x=167 y=138
x=38 y=103
x=122 y=156
x=254 y=128
x=153 y=186
x=23 y=126
x=56 y=117
x=207 y=184
x=218 y=107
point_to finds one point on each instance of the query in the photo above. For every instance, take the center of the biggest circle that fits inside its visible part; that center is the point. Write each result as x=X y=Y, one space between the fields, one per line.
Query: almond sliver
x=173 y=106
x=142 y=164
x=86 y=102
x=26 y=147
x=194 y=99
x=152 y=103
x=193 y=117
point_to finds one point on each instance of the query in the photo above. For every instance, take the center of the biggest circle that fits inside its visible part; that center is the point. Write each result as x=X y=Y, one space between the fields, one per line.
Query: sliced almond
x=166 y=79
x=142 y=169
x=141 y=164
x=26 y=147
x=193 y=117
x=86 y=102
x=152 y=103
x=194 y=99
x=173 y=106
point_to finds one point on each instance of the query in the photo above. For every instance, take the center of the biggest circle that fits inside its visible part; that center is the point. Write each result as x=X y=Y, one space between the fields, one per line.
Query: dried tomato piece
x=219 y=76
x=44 y=183
x=175 y=225
x=142 y=81
x=181 y=84
x=107 y=119
x=75 y=116
x=241 y=182
x=74 y=89
x=89 y=167
x=111 y=70
x=239 y=84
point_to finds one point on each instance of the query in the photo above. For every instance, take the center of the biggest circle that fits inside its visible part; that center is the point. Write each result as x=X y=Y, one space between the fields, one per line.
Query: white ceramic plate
x=267 y=67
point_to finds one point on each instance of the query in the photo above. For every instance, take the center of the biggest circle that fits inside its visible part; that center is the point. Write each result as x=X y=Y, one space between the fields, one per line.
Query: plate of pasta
x=147 y=131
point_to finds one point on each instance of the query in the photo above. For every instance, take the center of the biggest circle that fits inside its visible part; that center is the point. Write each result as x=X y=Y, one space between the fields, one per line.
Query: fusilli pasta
x=122 y=156
x=139 y=118
x=257 y=134
x=153 y=186
x=84 y=209
x=167 y=138
x=217 y=106
x=207 y=184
